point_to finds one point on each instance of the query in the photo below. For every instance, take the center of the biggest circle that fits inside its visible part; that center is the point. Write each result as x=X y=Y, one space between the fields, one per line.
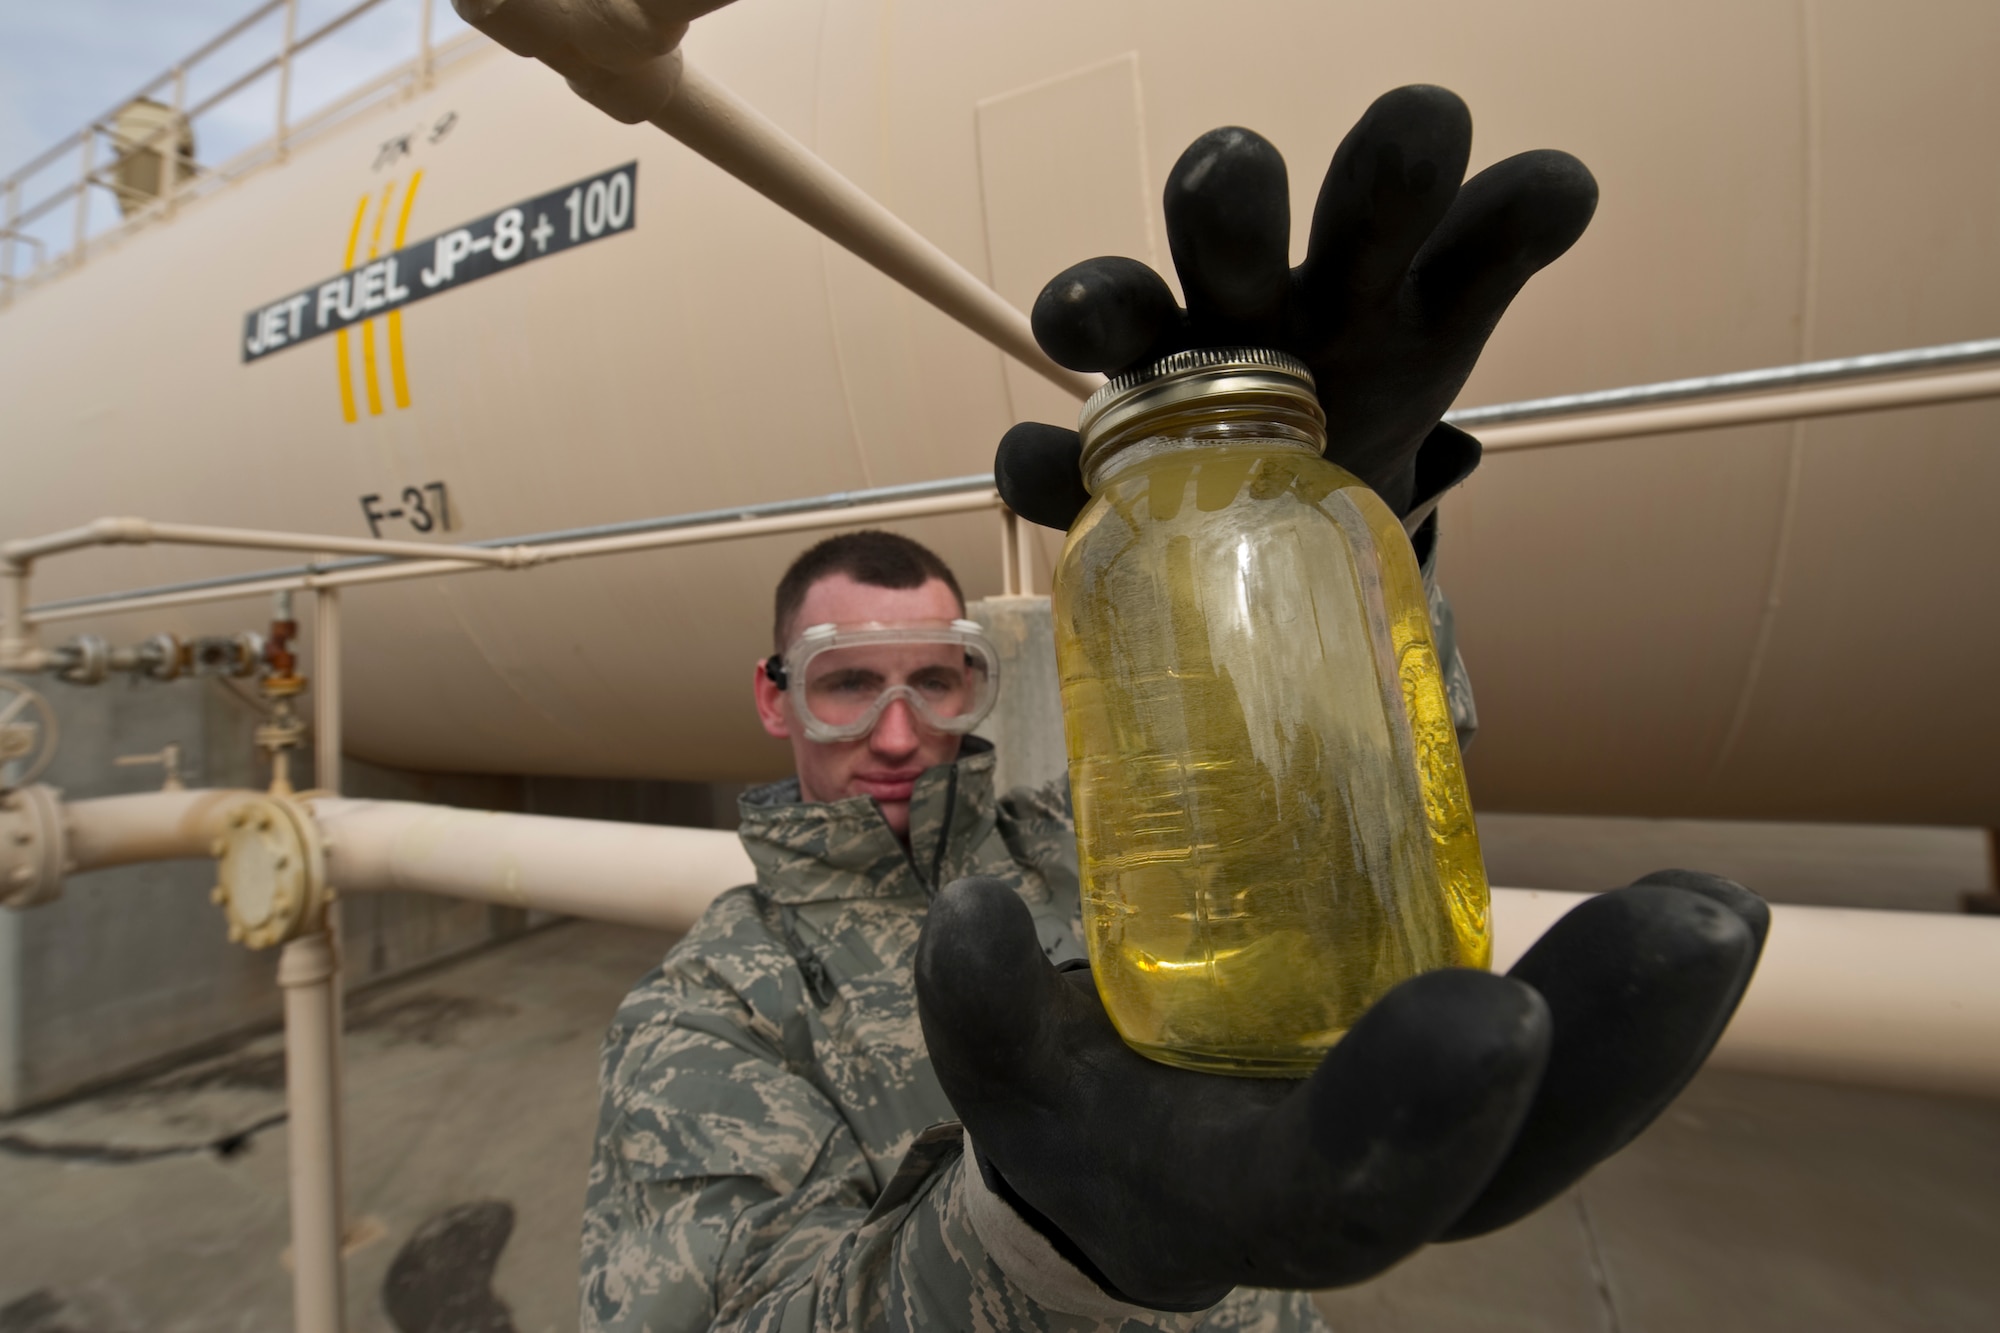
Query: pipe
x=326 y=690
x=140 y=532
x=306 y=973
x=150 y=826
x=766 y=527
x=1891 y=999
x=18 y=651
x=1869 y=365
x=1900 y=999
x=633 y=874
x=1921 y=391
x=1010 y=553
x=327 y=748
x=735 y=136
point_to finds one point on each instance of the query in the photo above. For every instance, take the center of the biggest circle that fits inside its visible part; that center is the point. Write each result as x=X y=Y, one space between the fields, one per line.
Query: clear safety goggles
x=842 y=678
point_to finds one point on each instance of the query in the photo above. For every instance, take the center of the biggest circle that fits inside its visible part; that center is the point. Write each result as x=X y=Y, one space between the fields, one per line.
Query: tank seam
x=1809 y=258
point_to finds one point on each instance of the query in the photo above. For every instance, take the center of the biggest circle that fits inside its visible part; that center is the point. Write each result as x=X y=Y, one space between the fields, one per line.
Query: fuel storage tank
x=1783 y=621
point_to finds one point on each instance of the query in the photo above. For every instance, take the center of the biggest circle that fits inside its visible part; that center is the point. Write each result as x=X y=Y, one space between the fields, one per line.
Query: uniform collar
x=812 y=851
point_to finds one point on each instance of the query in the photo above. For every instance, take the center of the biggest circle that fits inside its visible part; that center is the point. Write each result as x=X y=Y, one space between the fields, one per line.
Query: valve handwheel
x=28 y=734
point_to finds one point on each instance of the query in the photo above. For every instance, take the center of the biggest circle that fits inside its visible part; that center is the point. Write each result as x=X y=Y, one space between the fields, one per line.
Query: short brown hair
x=872 y=557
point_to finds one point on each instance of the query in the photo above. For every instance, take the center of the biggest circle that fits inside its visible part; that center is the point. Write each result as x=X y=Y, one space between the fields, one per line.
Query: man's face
x=884 y=764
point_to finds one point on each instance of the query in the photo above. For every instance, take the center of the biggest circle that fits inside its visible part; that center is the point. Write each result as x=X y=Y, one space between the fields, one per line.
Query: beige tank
x=1786 y=621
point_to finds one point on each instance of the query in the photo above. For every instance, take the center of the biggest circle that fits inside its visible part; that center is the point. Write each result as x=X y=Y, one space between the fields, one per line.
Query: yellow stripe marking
x=340 y=335
x=399 y=379
x=375 y=236
x=368 y=375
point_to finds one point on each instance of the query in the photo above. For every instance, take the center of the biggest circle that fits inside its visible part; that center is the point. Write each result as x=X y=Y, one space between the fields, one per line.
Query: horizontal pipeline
x=1894 y=999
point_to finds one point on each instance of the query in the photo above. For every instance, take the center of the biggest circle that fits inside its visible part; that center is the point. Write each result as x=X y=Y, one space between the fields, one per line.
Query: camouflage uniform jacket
x=762 y=1157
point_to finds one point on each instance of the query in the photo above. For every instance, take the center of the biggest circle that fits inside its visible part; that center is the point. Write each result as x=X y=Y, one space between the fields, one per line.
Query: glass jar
x=1270 y=805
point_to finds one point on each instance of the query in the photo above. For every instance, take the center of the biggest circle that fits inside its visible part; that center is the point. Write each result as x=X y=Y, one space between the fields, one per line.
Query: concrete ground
x=1755 y=1204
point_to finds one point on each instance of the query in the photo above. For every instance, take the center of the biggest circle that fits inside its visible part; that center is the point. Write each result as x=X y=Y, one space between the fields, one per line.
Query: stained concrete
x=1755 y=1204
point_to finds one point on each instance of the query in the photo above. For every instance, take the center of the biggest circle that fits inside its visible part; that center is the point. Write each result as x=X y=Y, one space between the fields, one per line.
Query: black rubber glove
x=1406 y=273
x=1460 y=1102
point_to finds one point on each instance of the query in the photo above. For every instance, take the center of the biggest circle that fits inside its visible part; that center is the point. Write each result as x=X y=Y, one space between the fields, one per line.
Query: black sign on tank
x=571 y=215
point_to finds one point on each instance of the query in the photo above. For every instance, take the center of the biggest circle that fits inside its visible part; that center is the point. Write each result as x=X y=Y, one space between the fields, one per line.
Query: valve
x=283 y=731
x=28 y=734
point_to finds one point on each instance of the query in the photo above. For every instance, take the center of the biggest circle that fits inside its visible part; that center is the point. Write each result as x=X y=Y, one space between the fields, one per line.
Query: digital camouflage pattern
x=762 y=1162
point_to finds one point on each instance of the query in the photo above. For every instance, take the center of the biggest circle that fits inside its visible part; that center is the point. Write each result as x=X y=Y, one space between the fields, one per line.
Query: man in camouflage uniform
x=776 y=1147
x=774 y=1150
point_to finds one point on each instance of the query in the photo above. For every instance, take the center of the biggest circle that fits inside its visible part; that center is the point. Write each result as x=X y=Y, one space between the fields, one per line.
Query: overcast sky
x=65 y=61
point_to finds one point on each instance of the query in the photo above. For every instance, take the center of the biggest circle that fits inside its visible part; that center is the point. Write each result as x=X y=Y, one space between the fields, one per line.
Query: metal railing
x=36 y=195
x=1941 y=357
x=1874 y=382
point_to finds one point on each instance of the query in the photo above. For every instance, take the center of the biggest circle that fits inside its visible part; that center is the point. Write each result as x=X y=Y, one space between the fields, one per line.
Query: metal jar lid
x=1205 y=377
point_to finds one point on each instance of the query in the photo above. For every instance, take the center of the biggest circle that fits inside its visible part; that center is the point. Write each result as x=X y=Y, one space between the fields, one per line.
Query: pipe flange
x=271 y=872
x=84 y=660
x=162 y=657
x=34 y=846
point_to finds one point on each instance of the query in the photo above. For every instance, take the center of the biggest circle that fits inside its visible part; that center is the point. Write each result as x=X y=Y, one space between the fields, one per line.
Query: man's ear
x=770 y=703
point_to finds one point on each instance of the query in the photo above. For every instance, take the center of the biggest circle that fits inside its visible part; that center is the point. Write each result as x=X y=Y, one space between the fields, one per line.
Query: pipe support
x=306 y=972
x=18 y=649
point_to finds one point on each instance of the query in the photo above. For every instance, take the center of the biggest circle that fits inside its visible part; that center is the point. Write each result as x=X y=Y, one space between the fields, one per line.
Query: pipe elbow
x=621 y=56
x=632 y=95
x=122 y=531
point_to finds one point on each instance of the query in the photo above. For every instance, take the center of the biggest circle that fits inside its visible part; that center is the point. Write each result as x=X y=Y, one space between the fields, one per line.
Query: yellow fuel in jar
x=1270 y=804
